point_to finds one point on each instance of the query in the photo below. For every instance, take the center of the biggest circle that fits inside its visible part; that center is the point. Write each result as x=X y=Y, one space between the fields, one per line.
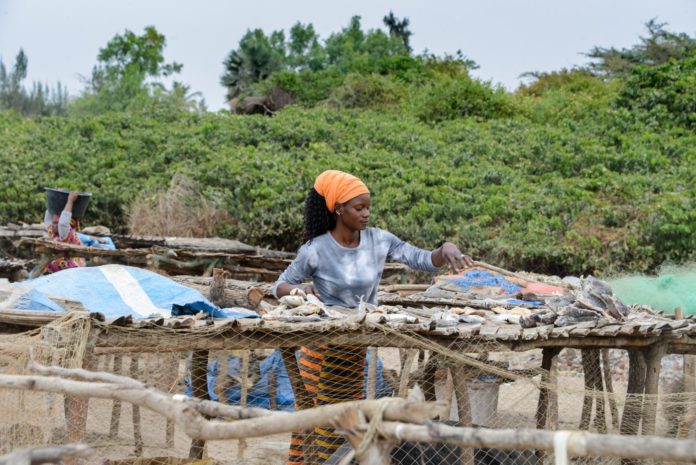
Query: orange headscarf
x=338 y=187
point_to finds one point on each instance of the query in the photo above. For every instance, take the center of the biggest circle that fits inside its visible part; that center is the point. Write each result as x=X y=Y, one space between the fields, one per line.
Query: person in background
x=344 y=260
x=63 y=228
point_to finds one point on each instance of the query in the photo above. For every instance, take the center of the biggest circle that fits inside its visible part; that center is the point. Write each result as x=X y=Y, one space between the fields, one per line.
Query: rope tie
x=372 y=430
x=560 y=447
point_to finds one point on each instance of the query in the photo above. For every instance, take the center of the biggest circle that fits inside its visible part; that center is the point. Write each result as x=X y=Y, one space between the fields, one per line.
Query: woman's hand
x=71 y=200
x=449 y=255
x=285 y=289
x=308 y=289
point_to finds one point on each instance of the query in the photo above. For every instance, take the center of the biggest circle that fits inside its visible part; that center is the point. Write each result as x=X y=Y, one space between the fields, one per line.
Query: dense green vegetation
x=575 y=172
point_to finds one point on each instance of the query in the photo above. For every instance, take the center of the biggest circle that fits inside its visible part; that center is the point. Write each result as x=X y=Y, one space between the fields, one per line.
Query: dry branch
x=580 y=443
x=189 y=415
x=42 y=455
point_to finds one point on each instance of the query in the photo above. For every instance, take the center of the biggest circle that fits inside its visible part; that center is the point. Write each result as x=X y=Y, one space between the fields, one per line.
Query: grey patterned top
x=343 y=275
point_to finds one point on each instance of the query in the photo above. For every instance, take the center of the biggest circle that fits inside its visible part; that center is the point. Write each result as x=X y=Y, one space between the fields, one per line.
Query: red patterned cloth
x=62 y=263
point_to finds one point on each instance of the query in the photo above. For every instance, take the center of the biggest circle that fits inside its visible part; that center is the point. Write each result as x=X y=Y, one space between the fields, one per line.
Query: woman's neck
x=344 y=236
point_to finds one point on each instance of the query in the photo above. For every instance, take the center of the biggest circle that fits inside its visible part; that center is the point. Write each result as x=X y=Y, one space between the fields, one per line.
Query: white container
x=483 y=399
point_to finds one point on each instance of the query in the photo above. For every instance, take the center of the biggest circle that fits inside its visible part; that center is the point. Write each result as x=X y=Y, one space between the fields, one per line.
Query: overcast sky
x=505 y=37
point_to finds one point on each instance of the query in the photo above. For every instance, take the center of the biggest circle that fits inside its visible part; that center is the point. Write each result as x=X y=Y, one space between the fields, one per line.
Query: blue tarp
x=118 y=290
x=102 y=243
x=258 y=395
x=481 y=279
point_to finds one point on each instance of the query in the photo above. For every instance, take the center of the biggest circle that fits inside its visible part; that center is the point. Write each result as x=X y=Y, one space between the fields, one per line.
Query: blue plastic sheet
x=103 y=242
x=477 y=278
x=118 y=290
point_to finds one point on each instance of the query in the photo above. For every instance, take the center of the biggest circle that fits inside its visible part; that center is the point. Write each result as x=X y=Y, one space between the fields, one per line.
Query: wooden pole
x=116 y=407
x=580 y=443
x=406 y=371
x=246 y=354
x=686 y=423
x=369 y=450
x=461 y=390
x=552 y=421
x=429 y=378
x=609 y=388
x=630 y=419
x=542 y=412
x=137 y=427
x=199 y=390
x=46 y=454
x=653 y=359
x=372 y=374
x=588 y=368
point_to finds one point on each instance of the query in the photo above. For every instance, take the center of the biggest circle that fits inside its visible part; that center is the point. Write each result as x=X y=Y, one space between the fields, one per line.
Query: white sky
x=506 y=37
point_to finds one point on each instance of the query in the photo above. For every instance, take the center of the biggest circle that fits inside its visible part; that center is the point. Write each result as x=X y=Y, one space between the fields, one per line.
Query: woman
x=64 y=229
x=345 y=258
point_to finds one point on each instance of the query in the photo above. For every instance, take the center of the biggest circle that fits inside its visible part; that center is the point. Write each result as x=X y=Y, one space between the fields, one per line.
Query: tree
x=40 y=101
x=304 y=49
x=257 y=57
x=399 y=29
x=128 y=76
x=656 y=49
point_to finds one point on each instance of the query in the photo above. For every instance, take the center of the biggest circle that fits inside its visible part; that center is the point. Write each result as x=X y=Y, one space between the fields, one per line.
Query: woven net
x=293 y=365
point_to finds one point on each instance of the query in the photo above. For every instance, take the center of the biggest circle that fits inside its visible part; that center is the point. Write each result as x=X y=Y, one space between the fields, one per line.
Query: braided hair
x=317 y=218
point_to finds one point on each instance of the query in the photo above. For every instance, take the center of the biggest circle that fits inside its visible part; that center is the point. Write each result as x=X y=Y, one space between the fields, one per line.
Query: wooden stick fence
x=391 y=420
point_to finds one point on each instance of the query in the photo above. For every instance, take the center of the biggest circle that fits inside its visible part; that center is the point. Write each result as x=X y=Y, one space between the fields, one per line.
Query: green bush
x=664 y=93
x=448 y=98
x=595 y=194
x=373 y=91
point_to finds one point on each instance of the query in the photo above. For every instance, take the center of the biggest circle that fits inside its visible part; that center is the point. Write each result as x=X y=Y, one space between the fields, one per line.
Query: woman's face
x=355 y=214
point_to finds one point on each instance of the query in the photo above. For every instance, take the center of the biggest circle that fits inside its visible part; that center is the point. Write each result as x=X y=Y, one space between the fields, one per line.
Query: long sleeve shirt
x=344 y=275
x=63 y=223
